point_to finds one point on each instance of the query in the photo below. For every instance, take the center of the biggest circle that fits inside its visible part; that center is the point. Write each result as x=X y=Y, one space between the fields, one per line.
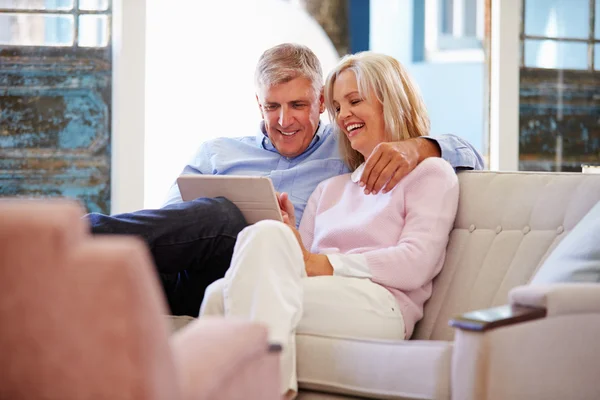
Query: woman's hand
x=287 y=209
x=315 y=264
x=318 y=265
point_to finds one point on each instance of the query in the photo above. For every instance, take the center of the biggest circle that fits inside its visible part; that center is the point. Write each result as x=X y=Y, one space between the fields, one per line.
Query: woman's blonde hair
x=404 y=112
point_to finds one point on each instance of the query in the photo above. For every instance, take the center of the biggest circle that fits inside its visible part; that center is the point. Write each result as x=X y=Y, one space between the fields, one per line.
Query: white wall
x=200 y=72
x=128 y=105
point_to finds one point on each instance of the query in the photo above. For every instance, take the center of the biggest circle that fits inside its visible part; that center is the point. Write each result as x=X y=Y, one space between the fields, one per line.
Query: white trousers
x=267 y=282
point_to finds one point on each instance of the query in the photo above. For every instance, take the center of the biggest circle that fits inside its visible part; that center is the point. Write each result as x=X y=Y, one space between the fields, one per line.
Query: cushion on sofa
x=577 y=256
x=374 y=369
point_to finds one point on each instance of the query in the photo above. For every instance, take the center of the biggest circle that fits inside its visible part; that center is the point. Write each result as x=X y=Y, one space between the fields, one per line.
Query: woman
x=361 y=265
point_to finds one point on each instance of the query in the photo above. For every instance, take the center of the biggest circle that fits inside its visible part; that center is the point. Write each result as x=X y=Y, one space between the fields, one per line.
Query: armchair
x=82 y=318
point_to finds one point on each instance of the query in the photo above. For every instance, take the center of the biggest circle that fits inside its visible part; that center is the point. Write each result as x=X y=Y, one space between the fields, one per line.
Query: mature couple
x=357 y=252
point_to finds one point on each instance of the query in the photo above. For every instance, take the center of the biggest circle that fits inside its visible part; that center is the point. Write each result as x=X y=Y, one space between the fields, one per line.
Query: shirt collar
x=355 y=177
x=262 y=138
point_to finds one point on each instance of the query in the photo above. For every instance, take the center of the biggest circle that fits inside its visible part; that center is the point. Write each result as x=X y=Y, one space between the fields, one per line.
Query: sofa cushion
x=577 y=257
x=374 y=368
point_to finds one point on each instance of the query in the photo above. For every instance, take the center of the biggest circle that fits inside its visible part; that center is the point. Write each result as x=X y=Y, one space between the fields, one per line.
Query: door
x=55 y=100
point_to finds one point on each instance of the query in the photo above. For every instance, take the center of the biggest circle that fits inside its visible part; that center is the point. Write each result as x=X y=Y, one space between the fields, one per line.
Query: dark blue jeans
x=191 y=243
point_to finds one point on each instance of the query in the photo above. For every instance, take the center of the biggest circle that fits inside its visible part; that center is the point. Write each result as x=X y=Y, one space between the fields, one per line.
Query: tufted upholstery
x=507 y=224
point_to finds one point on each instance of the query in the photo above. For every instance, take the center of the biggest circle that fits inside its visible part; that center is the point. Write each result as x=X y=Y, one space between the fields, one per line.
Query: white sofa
x=543 y=346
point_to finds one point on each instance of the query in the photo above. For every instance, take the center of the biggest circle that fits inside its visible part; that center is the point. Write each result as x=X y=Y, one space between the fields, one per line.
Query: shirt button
x=560 y=230
x=498 y=229
x=471 y=228
x=526 y=230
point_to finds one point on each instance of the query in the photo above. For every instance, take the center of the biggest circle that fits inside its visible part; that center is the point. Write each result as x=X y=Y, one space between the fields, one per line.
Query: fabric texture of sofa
x=507 y=225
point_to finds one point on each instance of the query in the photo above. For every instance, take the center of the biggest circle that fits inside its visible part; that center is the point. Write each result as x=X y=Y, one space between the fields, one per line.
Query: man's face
x=291 y=113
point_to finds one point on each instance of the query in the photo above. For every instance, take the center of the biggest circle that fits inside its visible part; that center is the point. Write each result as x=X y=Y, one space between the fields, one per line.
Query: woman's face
x=361 y=119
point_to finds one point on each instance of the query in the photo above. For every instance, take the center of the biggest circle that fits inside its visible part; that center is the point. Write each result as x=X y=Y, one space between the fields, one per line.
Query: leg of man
x=191 y=243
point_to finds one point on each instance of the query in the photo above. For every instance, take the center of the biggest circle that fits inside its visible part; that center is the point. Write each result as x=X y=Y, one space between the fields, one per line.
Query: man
x=192 y=242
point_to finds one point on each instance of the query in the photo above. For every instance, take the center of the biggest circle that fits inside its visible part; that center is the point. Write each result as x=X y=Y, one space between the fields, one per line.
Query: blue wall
x=453 y=92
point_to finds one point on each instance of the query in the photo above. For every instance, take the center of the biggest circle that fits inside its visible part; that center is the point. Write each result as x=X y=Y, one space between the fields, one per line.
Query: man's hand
x=391 y=161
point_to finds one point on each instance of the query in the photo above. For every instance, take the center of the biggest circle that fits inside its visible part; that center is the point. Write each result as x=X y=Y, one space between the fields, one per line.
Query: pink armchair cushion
x=233 y=360
x=87 y=327
x=82 y=317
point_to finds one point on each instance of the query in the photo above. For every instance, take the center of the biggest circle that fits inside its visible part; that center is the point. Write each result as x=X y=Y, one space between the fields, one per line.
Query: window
x=56 y=100
x=567 y=38
x=55 y=23
x=454 y=30
x=559 y=106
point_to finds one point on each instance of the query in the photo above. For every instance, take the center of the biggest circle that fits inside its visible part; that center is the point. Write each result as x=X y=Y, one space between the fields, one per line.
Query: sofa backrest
x=507 y=224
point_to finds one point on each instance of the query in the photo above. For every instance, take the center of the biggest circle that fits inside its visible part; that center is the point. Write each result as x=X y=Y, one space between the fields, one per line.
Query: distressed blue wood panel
x=55 y=124
x=559 y=106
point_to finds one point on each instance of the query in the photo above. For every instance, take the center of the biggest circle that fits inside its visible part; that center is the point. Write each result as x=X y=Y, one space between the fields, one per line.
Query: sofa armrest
x=559 y=299
x=532 y=302
x=554 y=355
x=211 y=352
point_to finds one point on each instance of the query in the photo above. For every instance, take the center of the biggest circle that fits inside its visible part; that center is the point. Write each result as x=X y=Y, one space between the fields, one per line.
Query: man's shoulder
x=221 y=143
x=232 y=140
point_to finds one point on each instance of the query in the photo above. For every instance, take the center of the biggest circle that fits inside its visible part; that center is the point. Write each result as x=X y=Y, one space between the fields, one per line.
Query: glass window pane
x=597 y=57
x=557 y=18
x=446 y=16
x=556 y=55
x=93 y=5
x=36 y=4
x=36 y=30
x=597 y=20
x=470 y=18
x=93 y=31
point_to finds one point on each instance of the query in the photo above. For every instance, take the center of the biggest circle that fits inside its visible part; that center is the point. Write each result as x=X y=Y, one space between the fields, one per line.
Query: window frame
x=443 y=47
x=591 y=40
x=75 y=12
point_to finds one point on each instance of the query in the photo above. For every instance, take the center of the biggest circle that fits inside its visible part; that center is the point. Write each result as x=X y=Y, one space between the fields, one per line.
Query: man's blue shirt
x=298 y=176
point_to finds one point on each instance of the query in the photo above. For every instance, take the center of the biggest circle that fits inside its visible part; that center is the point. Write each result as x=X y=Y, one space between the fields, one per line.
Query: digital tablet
x=253 y=195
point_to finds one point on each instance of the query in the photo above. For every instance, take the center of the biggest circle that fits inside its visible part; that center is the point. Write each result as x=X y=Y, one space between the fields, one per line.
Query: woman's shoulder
x=332 y=187
x=433 y=166
x=336 y=181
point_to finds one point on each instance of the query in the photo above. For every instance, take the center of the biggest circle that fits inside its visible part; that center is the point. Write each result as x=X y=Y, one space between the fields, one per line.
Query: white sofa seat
x=355 y=366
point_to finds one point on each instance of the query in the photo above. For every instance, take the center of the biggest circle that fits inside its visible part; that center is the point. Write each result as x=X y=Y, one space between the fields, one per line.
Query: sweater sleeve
x=430 y=201
x=307 y=224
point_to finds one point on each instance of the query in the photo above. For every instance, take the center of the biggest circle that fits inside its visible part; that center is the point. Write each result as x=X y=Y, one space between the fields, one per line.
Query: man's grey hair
x=287 y=61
